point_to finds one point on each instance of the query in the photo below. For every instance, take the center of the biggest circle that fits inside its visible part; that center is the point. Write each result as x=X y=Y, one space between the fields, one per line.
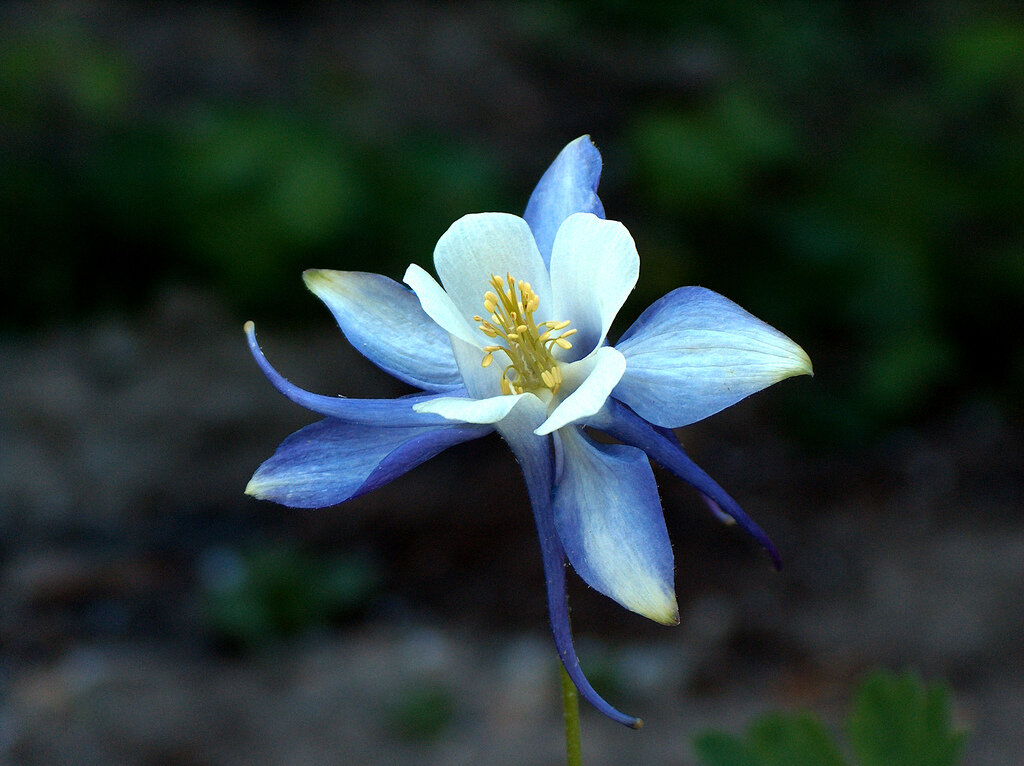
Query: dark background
x=849 y=172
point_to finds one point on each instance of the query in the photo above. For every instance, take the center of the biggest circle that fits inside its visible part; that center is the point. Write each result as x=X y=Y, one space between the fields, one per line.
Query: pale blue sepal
x=594 y=266
x=535 y=459
x=384 y=321
x=664 y=448
x=380 y=413
x=609 y=519
x=591 y=380
x=694 y=352
x=568 y=186
x=332 y=461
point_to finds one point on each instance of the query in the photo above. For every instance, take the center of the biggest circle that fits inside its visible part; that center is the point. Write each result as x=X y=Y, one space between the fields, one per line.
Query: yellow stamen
x=527 y=344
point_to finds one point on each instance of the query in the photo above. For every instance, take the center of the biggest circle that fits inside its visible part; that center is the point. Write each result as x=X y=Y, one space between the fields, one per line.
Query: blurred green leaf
x=254 y=189
x=774 y=740
x=982 y=54
x=715 y=748
x=898 y=721
x=421 y=711
x=710 y=154
x=794 y=740
x=899 y=370
x=895 y=721
x=419 y=187
x=54 y=64
x=276 y=592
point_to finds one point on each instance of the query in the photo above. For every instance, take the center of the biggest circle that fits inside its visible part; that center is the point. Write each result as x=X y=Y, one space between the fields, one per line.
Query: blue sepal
x=661 y=446
x=376 y=412
x=568 y=186
x=609 y=520
x=332 y=461
x=537 y=463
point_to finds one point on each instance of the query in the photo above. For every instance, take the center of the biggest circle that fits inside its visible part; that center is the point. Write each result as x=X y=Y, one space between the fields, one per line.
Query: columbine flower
x=514 y=340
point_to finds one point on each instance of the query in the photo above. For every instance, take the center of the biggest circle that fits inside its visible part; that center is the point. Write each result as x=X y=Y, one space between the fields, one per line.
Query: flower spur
x=537 y=368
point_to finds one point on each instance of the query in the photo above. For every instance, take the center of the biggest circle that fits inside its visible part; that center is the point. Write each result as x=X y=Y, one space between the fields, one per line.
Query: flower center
x=526 y=344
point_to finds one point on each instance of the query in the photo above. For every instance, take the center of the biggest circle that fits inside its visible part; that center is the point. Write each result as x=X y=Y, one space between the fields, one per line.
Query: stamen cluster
x=527 y=345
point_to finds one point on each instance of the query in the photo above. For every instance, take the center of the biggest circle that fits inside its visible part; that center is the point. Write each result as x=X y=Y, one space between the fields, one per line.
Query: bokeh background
x=853 y=173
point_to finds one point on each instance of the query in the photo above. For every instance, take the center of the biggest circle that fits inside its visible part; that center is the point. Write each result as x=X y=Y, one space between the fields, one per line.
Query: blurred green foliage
x=104 y=196
x=852 y=173
x=420 y=711
x=860 y=180
x=895 y=720
x=272 y=592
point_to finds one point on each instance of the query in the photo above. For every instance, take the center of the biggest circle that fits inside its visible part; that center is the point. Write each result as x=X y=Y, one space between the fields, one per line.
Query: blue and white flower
x=513 y=339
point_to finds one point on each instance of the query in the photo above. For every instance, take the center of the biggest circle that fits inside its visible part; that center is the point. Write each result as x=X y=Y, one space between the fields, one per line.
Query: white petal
x=594 y=266
x=438 y=306
x=478 y=246
x=480 y=382
x=469 y=410
x=591 y=381
x=517 y=430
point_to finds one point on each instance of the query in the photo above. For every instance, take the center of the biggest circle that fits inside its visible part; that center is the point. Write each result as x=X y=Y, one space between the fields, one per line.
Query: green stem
x=571 y=713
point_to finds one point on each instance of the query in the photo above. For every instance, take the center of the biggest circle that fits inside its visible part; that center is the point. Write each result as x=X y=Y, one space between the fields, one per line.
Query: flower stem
x=571 y=713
